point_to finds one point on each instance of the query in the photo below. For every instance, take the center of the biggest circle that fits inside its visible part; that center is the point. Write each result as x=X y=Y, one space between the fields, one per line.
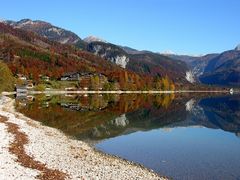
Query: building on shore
x=21 y=89
x=21 y=77
x=87 y=81
x=71 y=77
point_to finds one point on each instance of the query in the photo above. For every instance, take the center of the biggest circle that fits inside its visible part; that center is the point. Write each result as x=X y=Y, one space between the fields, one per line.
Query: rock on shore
x=58 y=152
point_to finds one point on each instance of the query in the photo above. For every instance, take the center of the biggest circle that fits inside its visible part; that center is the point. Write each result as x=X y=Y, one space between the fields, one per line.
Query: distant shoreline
x=116 y=92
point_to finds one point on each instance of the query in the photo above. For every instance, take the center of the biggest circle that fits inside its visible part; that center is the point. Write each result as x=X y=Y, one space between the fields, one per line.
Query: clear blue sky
x=182 y=26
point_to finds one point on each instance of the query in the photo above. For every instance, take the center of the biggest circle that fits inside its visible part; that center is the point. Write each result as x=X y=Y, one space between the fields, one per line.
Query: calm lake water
x=184 y=136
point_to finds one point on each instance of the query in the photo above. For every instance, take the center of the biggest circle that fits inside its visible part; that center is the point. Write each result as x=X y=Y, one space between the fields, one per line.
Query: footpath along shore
x=29 y=150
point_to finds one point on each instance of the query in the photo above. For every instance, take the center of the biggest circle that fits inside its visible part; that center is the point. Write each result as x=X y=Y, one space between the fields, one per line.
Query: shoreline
x=114 y=92
x=50 y=147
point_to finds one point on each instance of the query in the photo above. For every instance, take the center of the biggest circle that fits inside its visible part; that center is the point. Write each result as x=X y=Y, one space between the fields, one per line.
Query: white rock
x=121 y=61
x=121 y=121
x=64 y=41
x=190 y=105
x=56 y=30
x=90 y=39
x=190 y=77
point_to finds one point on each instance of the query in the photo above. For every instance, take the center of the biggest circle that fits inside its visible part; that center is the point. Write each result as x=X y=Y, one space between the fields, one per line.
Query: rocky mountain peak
x=25 y=21
x=237 y=48
x=47 y=30
x=90 y=39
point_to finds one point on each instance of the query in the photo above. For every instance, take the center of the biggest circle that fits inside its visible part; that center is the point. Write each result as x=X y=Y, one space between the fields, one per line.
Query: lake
x=183 y=136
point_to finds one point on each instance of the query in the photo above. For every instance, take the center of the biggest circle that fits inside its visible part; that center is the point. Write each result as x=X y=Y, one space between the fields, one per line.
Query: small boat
x=231 y=91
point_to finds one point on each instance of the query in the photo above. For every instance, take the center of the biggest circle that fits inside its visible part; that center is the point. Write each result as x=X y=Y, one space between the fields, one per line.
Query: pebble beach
x=32 y=151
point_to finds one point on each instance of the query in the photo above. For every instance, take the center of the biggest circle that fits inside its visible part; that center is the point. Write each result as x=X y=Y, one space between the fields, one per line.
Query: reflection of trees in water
x=109 y=115
x=81 y=115
x=164 y=100
x=129 y=103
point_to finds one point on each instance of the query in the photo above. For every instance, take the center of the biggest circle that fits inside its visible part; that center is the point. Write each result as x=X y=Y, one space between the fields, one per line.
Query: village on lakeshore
x=68 y=82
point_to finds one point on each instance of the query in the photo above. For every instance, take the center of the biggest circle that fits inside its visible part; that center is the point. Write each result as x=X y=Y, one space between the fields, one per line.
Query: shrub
x=6 y=78
x=40 y=87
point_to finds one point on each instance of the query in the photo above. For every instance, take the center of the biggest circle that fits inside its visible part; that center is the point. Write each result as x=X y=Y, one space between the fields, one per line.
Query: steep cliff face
x=190 y=77
x=109 y=52
x=142 y=62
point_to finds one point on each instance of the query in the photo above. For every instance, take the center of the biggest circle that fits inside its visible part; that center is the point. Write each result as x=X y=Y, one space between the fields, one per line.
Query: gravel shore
x=51 y=150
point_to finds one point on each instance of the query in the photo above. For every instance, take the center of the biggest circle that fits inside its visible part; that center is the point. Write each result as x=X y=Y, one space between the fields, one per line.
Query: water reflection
x=216 y=113
x=99 y=116
x=181 y=136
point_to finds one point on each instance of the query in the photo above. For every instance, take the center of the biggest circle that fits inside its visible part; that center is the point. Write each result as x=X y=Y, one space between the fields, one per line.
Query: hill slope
x=223 y=69
x=142 y=62
x=216 y=69
x=49 y=31
x=27 y=53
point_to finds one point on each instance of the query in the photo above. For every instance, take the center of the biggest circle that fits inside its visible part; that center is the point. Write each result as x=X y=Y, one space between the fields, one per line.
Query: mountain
x=32 y=55
x=219 y=69
x=223 y=69
x=141 y=62
x=237 y=48
x=110 y=52
x=49 y=31
x=130 y=50
x=20 y=46
x=198 y=64
x=157 y=65
x=27 y=53
x=185 y=58
x=91 y=39
x=215 y=69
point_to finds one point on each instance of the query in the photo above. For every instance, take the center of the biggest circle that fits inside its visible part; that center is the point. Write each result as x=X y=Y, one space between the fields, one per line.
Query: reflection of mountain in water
x=223 y=113
x=143 y=119
x=103 y=116
x=217 y=113
x=100 y=117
